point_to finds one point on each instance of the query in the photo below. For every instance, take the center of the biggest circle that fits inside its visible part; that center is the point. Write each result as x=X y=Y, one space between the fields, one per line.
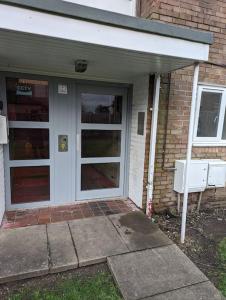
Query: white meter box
x=3 y=130
x=216 y=174
x=197 y=176
x=203 y=174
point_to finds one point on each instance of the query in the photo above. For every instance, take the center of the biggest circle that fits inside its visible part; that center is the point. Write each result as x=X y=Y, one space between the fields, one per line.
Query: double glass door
x=94 y=157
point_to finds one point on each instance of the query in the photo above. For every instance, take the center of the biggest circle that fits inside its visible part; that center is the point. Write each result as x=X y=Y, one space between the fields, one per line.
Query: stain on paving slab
x=24 y=253
x=139 y=232
x=62 y=252
x=138 y=222
x=201 y=291
x=150 y=272
x=95 y=239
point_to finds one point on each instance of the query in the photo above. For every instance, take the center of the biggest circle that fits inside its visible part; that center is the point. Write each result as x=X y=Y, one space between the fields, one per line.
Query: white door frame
x=101 y=193
x=36 y=162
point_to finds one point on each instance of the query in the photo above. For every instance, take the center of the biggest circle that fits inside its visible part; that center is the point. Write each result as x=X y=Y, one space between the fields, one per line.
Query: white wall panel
x=63 y=124
x=126 y=7
x=137 y=144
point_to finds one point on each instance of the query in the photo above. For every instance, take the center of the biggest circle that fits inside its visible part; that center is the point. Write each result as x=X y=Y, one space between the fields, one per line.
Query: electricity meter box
x=203 y=174
x=197 y=176
x=216 y=174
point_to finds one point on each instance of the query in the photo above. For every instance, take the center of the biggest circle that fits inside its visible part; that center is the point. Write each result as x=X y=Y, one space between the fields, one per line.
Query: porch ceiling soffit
x=77 y=11
x=48 y=42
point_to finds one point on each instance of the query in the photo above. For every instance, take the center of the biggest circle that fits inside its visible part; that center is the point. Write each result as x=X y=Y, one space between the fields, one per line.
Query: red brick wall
x=203 y=15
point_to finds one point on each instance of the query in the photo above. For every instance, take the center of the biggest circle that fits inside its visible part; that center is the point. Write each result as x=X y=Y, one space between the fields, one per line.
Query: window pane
x=101 y=143
x=28 y=100
x=102 y=109
x=30 y=184
x=28 y=143
x=209 y=114
x=100 y=176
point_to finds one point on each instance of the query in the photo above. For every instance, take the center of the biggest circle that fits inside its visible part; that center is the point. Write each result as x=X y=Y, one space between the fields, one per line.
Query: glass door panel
x=100 y=176
x=101 y=143
x=30 y=184
x=101 y=131
x=28 y=143
x=101 y=109
x=27 y=100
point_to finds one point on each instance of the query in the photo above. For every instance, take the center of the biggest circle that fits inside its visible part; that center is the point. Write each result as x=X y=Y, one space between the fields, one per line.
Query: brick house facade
x=98 y=60
x=175 y=97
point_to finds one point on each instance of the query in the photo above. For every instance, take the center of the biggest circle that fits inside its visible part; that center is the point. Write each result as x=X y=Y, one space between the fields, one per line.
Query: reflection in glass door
x=101 y=136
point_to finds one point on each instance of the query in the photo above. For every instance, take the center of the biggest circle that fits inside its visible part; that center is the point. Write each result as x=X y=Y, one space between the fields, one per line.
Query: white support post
x=154 y=124
x=189 y=151
x=178 y=203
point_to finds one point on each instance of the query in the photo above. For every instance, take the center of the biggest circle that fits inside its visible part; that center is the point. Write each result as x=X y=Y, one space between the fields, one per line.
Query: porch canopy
x=47 y=37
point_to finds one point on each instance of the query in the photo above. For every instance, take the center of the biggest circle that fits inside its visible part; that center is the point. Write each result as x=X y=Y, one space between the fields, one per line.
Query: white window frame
x=210 y=141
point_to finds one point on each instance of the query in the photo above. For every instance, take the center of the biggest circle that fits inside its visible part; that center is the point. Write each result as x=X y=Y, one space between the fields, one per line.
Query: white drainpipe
x=189 y=151
x=151 y=166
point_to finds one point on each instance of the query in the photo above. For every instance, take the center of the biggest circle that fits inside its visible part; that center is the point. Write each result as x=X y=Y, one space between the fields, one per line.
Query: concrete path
x=61 y=248
x=23 y=253
x=143 y=261
x=138 y=232
x=95 y=239
x=154 y=272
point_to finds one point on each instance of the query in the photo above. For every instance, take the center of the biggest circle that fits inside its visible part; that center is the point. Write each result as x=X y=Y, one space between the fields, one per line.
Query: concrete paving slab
x=23 y=253
x=149 y=272
x=139 y=232
x=95 y=239
x=201 y=291
x=62 y=251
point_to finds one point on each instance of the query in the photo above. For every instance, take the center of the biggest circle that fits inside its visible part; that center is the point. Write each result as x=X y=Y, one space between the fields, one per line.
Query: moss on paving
x=99 y=287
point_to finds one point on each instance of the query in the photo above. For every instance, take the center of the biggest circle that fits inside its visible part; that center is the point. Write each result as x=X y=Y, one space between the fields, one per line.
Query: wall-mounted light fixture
x=81 y=65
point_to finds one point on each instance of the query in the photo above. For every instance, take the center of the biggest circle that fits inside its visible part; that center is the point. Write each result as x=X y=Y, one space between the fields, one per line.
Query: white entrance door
x=28 y=156
x=100 y=141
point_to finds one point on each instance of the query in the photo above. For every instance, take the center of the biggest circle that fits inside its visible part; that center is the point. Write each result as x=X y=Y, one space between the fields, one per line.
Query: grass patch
x=98 y=287
x=222 y=266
